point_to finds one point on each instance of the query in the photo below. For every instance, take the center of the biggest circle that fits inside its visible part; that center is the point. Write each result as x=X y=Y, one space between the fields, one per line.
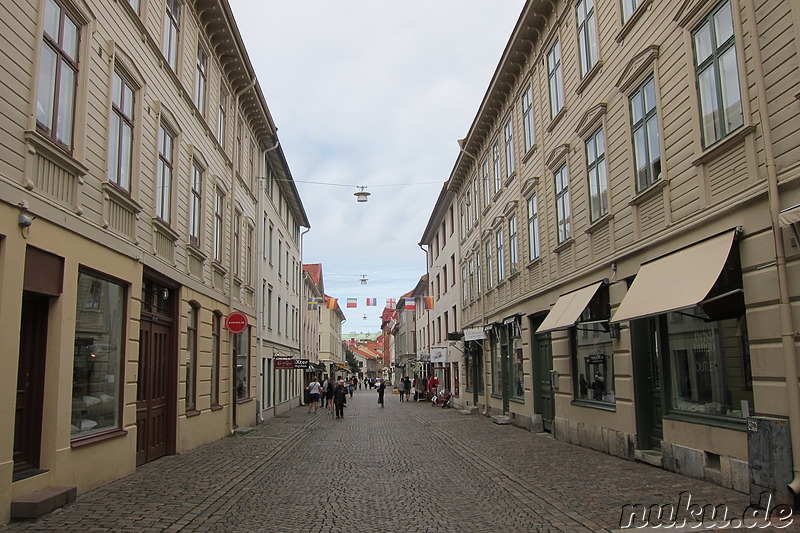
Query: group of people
x=332 y=394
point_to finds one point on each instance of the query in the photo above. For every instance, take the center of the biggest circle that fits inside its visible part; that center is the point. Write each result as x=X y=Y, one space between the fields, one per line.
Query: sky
x=375 y=94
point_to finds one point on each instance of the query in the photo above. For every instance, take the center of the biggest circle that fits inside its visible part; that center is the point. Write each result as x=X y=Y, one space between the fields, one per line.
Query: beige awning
x=677 y=280
x=789 y=216
x=568 y=308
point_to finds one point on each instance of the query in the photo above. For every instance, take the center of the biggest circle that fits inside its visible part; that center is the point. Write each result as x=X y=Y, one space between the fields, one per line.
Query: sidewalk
x=409 y=467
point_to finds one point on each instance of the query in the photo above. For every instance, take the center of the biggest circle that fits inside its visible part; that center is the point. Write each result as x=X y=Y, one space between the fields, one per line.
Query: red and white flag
x=352 y=302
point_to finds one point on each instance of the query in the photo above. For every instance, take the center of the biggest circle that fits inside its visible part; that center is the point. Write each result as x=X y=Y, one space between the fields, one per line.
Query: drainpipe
x=300 y=308
x=788 y=334
x=238 y=95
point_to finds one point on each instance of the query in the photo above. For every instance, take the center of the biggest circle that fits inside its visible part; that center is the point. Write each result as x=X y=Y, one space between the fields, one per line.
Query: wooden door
x=30 y=382
x=152 y=399
x=544 y=402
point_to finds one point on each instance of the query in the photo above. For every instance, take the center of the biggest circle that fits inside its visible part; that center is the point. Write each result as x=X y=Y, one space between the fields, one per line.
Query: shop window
x=99 y=354
x=517 y=374
x=593 y=356
x=242 y=358
x=497 y=373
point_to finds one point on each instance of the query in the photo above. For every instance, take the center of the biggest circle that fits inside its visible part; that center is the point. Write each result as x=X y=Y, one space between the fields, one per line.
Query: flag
x=390 y=303
x=371 y=302
x=332 y=303
x=313 y=304
x=408 y=304
x=352 y=302
x=428 y=302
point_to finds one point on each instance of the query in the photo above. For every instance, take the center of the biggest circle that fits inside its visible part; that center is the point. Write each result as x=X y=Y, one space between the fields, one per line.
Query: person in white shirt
x=313 y=395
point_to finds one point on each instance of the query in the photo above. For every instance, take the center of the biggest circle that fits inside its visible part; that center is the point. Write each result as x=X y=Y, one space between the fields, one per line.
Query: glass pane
x=709 y=107
x=125 y=157
x=652 y=142
x=703 y=43
x=70 y=37
x=52 y=18
x=116 y=90
x=66 y=104
x=591 y=151
x=603 y=186
x=595 y=363
x=593 y=51
x=640 y=154
x=114 y=135
x=45 y=96
x=99 y=352
x=731 y=97
x=649 y=96
x=723 y=24
x=637 y=107
x=127 y=100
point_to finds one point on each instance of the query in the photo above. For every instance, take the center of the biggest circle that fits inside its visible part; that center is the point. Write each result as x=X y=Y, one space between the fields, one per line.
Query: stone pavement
x=409 y=467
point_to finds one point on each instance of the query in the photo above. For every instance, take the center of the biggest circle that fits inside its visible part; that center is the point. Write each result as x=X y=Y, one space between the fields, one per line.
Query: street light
x=361 y=195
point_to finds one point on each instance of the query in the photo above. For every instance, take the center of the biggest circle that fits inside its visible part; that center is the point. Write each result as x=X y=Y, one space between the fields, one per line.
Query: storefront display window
x=99 y=352
x=242 y=355
x=709 y=364
x=517 y=376
x=497 y=374
x=594 y=363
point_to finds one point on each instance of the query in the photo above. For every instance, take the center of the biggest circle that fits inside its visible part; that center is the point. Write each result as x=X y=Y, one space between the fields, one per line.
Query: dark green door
x=646 y=335
x=543 y=393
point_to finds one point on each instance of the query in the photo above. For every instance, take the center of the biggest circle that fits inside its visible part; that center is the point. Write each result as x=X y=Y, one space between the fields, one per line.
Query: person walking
x=406 y=384
x=381 y=390
x=313 y=395
x=351 y=387
x=401 y=390
x=339 y=398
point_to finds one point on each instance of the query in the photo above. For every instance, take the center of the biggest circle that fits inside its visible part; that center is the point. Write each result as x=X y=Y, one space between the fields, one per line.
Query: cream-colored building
x=627 y=170
x=133 y=137
x=331 y=349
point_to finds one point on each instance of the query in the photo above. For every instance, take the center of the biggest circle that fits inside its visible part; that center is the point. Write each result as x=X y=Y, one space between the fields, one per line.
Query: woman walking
x=313 y=395
x=339 y=398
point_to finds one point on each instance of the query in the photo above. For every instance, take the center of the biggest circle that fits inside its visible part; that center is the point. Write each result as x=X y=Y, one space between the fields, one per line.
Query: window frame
x=508 y=139
x=192 y=321
x=588 y=46
x=165 y=168
x=563 y=208
x=597 y=175
x=533 y=228
x=529 y=134
x=171 y=37
x=125 y=121
x=555 y=79
x=648 y=124
x=201 y=79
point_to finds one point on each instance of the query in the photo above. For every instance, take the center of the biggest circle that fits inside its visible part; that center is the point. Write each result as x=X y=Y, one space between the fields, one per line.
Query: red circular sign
x=236 y=322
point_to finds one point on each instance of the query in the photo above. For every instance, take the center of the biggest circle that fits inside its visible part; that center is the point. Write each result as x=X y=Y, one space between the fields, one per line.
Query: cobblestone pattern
x=409 y=467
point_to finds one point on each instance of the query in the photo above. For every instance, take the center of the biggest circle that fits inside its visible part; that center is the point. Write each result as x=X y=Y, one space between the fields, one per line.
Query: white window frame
x=587 y=35
x=597 y=175
x=563 y=208
x=533 y=228
x=555 y=79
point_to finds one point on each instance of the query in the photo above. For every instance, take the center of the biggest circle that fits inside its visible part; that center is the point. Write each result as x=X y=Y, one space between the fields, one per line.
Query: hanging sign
x=474 y=334
x=290 y=364
x=236 y=322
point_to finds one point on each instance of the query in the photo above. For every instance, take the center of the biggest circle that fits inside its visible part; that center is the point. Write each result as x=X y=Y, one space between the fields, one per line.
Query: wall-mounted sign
x=474 y=334
x=291 y=364
x=236 y=322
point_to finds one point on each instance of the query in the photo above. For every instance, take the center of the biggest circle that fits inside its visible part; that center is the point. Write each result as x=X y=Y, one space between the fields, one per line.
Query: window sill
x=600 y=223
x=720 y=147
x=563 y=246
x=556 y=119
x=509 y=179
x=192 y=413
x=218 y=268
x=587 y=79
x=534 y=262
x=244 y=400
x=517 y=399
x=631 y=22
x=51 y=151
x=594 y=404
x=216 y=407
x=121 y=197
x=100 y=437
x=195 y=252
x=648 y=193
x=736 y=424
x=163 y=228
x=532 y=150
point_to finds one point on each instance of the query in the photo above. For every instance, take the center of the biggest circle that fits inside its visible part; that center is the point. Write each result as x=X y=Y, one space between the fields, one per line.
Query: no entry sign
x=236 y=322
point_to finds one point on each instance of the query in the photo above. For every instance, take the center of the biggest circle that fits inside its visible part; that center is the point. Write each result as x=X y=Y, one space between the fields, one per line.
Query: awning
x=789 y=216
x=568 y=308
x=677 y=280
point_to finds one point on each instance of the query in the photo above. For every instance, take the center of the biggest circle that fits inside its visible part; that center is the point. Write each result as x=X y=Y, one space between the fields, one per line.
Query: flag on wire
x=371 y=302
x=408 y=304
x=428 y=302
x=332 y=303
x=352 y=302
x=313 y=304
x=390 y=303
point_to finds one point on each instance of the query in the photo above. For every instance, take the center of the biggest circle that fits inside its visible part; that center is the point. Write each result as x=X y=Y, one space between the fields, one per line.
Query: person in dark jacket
x=339 y=398
x=381 y=390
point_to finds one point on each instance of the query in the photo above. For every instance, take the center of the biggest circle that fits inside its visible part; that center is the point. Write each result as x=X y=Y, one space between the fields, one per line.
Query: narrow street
x=408 y=467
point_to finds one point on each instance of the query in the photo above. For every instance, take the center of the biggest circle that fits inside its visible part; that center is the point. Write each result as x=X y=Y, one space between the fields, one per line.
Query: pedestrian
x=423 y=387
x=433 y=386
x=406 y=384
x=381 y=390
x=351 y=387
x=340 y=398
x=323 y=392
x=329 y=395
x=401 y=390
x=313 y=394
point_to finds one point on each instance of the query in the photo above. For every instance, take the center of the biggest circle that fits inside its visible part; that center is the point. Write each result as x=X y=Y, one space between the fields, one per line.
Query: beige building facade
x=133 y=137
x=630 y=285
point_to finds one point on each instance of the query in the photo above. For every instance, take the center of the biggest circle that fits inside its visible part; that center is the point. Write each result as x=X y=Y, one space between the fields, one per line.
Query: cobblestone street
x=407 y=467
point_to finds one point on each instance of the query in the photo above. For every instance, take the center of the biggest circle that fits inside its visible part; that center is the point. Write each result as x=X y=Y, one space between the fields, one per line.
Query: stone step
x=501 y=419
x=42 y=501
x=651 y=457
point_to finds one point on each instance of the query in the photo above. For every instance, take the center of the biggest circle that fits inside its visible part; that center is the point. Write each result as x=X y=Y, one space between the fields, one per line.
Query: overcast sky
x=372 y=93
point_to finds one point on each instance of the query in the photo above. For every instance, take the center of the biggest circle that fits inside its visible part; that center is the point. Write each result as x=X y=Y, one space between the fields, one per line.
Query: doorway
x=543 y=391
x=30 y=383
x=647 y=341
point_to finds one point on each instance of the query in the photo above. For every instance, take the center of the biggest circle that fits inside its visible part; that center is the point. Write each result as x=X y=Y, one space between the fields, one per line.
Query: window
x=501 y=266
x=166 y=141
x=264 y=236
x=485 y=179
x=508 y=137
x=533 y=228
x=478 y=282
x=453 y=269
x=241 y=354
x=593 y=355
x=280 y=255
x=527 y=118
x=596 y=168
x=498 y=179
x=628 y=7
x=489 y=265
x=249 y=255
x=587 y=35
x=191 y=357
x=497 y=363
x=476 y=197
x=200 y=79
x=468 y=204
x=216 y=321
x=469 y=292
x=512 y=243
x=120 y=133
x=134 y=5
x=99 y=356
x=646 y=146
x=279 y=315
x=444 y=278
x=269 y=308
x=271 y=240
x=717 y=75
x=196 y=204
x=239 y=135
x=219 y=226
x=222 y=117
x=169 y=44
x=237 y=244
x=562 y=205
x=58 y=75
x=555 y=79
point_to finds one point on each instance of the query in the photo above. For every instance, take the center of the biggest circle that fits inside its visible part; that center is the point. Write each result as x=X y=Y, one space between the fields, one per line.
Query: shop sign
x=474 y=334
x=438 y=355
x=291 y=364
x=236 y=322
